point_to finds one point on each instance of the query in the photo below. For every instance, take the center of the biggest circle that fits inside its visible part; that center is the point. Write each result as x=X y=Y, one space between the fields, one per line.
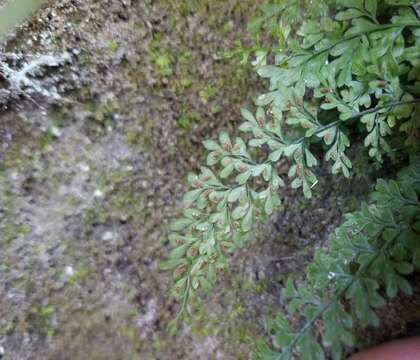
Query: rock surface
x=92 y=167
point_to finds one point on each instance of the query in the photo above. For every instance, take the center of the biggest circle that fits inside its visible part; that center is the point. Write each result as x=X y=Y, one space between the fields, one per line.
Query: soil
x=92 y=169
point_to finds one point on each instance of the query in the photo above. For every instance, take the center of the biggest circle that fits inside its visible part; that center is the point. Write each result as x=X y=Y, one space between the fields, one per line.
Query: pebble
x=69 y=271
x=108 y=235
x=98 y=193
x=84 y=167
x=55 y=131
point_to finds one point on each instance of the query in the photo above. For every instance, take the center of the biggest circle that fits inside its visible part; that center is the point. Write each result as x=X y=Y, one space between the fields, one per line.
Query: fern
x=375 y=248
x=360 y=72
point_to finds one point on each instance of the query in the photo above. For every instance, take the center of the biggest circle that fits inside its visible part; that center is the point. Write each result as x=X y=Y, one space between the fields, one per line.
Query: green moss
x=45 y=140
x=164 y=64
x=79 y=277
x=207 y=93
x=39 y=320
x=10 y=226
x=141 y=134
x=215 y=109
x=304 y=205
x=102 y=113
x=94 y=215
x=188 y=117
x=161 y=55
x=132 y=312
x=113 y=46
x=123 y=201
x=232 y=324
x=351 y=203
x=24 y=229
x=184 y=77
x=126 y=201
x=94 y=336
x=258 y=286
x=131 y=333
x=132 y=136
x=186 y=81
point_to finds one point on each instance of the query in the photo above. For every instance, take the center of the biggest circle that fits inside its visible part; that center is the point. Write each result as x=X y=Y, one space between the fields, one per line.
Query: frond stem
x=360 y=114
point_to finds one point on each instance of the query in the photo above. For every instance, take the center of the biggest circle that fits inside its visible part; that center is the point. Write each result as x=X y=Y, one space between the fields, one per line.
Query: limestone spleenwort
x=342 y=72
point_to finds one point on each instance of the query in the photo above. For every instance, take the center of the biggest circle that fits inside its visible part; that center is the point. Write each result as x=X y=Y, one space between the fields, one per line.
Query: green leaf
x=179 y=251
x=307 y=192
x=348 y=14
x=246 y=127
x=404 y=268
x=258 y=169
x=270 y=71
x=275 y=155
x=360 y=26
x=191 y=196
x=235 y=193
x=180 y=224
x=227 y=170
x=282 y=330
x=191 y=213
x=289 y=291
x=203 y=226
x=205 y=284
x=328 y=135
x=290 y=149
x=296 y=183
x=391 y=285
x=269 y=204
x=211 y=145
x=416 y=257
x=276 y=181
x=310 y=159
x=170 y=264
x=371 y=6
x=239 y=212
x=212 y=158
x=225 y=140
x=243 y=177
x=343 y=47
x=248 y=220
x=246 y=114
